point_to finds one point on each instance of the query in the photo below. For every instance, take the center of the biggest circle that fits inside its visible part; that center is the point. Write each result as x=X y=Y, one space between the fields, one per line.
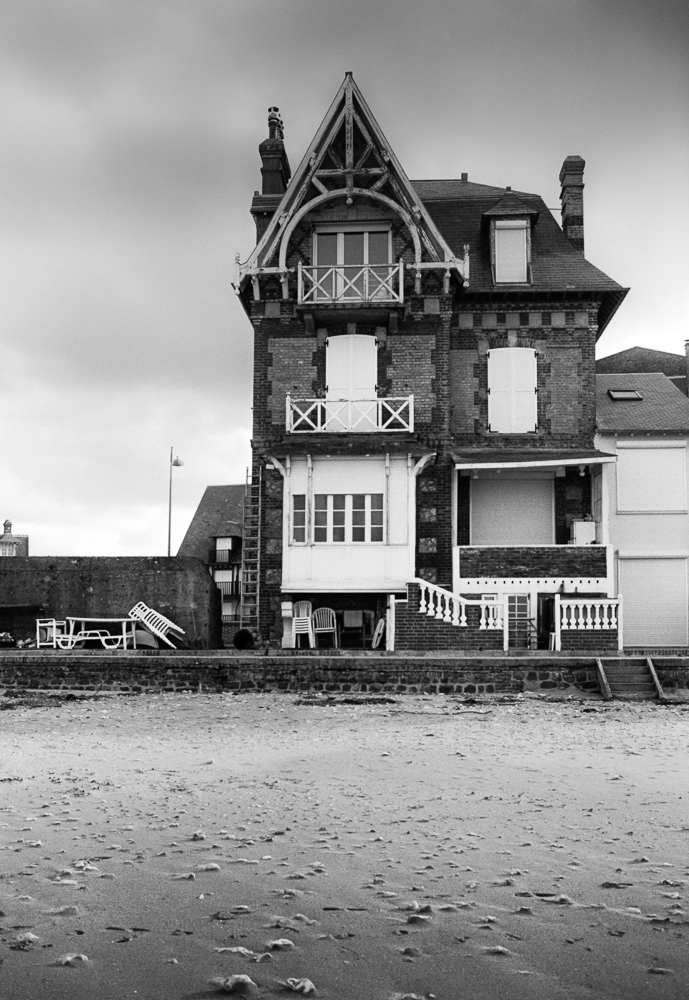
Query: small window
x=299 y=517
x=624 y=394
x=511 y=249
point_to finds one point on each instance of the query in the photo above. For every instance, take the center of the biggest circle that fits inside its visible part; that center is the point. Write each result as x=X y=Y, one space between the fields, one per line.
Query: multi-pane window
x=340 y=518
x=299 y=517
x=352 y=265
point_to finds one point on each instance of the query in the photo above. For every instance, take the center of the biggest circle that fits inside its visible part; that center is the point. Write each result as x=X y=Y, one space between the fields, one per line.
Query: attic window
x=624 y=394
x=511 y=250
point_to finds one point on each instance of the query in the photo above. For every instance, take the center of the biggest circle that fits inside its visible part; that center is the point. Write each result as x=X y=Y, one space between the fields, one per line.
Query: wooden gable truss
x=350 y=158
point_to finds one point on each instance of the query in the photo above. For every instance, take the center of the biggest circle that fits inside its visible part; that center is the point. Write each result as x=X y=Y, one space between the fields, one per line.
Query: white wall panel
x=651 y=479
x=655 y=601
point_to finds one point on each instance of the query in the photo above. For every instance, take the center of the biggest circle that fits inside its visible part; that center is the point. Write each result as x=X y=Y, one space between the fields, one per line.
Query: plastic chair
x=323 y=620
x=353 y=622
x=156 y=623
x=47 y=631
x=302 y=623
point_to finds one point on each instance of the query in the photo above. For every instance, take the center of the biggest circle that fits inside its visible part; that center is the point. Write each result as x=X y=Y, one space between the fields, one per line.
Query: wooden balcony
x=351 y=283
x=384 y=414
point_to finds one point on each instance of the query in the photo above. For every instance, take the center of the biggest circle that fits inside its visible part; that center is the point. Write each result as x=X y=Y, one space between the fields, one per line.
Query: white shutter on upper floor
x=512 y=399
x=351 y=367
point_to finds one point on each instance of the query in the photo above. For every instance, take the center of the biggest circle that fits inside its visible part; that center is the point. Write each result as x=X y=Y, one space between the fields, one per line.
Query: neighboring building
x=424 y=396
x=645 y=359
x=644 y=419
x=13 y=545
x=215 y=536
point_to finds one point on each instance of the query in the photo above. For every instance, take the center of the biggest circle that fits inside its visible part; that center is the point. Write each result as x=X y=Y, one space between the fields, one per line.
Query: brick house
x=424 y=399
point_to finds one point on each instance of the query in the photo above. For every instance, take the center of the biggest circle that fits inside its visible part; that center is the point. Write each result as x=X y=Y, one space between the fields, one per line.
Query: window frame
x=338 y=515
x=511 y=224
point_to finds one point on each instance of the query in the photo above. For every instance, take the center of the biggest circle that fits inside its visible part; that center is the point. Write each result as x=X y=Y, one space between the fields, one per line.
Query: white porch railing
x=587 y=614
x=438 y=603
x=350 y=283
x=393 y=413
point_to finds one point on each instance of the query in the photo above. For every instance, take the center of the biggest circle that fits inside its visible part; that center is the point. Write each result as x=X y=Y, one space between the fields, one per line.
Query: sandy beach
x=158 y=846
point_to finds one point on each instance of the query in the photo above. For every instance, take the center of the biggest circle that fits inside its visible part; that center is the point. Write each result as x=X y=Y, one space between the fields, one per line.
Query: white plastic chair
x=302 y=623
x=156 y=623
x=324 y=620
x=47 y=631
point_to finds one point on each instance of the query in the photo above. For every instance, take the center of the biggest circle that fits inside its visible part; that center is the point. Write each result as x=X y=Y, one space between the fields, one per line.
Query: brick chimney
x=275 y=169
x=572 y=200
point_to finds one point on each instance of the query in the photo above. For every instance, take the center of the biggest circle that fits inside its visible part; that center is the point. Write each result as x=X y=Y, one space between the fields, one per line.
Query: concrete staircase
x=629 y=679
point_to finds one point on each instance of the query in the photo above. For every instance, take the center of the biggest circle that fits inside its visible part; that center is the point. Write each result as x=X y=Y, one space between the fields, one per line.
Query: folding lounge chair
x=156 y=623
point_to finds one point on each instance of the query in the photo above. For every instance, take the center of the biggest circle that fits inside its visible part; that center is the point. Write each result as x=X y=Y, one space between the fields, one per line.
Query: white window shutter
x=337 y=367
x=510 y=252
x=351 y=367
x=512 y=400
x=523 y=383
x=499 y=391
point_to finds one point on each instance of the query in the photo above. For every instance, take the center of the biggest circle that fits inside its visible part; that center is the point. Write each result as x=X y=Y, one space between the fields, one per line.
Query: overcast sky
x=128 y=162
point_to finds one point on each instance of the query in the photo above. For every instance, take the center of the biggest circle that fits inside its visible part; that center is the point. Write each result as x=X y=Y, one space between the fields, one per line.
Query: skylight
x=624 y=394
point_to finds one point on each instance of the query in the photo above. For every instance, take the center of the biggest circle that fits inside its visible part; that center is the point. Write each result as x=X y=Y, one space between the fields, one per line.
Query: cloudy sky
x=129 y=159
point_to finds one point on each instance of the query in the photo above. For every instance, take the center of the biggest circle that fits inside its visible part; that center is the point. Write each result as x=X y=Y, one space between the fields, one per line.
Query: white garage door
x=654 y=595
x=512 y=512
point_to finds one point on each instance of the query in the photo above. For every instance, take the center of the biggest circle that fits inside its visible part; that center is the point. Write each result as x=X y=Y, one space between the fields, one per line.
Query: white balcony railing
x=589 y=614
x=388 y=414
x=351 y=283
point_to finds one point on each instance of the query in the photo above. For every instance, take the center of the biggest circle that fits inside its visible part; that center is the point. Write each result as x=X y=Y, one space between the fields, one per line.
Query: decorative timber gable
x=350 y=163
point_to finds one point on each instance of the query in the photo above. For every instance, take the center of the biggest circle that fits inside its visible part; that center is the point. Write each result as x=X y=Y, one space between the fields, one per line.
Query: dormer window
x=511 y=250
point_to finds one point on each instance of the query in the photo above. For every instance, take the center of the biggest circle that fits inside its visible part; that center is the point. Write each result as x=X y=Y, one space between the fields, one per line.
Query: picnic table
x=81 y=629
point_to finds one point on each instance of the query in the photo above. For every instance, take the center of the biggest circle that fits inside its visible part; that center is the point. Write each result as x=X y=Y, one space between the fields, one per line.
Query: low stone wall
x=291 y=671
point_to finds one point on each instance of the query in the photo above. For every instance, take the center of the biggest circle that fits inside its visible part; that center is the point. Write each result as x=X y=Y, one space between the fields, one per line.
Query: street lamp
x=176 y=462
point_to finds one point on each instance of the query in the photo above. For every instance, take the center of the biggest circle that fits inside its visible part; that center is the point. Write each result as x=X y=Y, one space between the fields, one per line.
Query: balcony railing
x=351 y=283
x=394 y=413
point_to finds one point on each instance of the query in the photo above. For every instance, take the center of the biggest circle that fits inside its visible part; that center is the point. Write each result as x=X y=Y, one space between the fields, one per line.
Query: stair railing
x=436 y=602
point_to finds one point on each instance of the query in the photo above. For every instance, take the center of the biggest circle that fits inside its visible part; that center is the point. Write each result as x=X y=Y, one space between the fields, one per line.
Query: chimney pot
x=572 y=200
x=465 y=178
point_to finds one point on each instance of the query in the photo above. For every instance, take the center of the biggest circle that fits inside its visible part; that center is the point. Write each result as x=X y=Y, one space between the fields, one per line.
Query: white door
x=654 y=593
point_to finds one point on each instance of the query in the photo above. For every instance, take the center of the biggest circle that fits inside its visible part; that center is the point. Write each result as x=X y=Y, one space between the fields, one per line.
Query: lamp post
x=176 y=462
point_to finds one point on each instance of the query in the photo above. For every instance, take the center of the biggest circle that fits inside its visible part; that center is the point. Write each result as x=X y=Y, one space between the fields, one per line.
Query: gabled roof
x=349 y=157
x=219 y=514
x=510 y=205
x=662 y=407
x=644 y=359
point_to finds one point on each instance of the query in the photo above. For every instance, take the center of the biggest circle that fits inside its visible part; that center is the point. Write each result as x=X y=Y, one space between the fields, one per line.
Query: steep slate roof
x=662 y=406
x=644 y=359
x=458 y=207
x=220 y=513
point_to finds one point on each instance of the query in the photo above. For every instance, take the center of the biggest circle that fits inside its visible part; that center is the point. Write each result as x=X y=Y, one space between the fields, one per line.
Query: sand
x=420 y=848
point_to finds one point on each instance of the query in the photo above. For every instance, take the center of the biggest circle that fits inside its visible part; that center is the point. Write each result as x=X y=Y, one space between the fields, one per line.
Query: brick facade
x=432 y=344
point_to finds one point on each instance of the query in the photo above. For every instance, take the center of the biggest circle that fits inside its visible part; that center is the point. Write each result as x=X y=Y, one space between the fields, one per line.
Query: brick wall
x=179 y=588
x=585 y=560
x=565 y=342
x=575 y=640
x=416 y=631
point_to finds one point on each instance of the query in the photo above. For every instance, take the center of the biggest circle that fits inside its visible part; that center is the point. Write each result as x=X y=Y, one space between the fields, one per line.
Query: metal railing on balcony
x=392 y=413
x=350 y=283
x=220 y=557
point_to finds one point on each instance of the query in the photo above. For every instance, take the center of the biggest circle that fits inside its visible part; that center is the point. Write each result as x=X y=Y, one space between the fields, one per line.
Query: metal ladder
x=251 y=552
